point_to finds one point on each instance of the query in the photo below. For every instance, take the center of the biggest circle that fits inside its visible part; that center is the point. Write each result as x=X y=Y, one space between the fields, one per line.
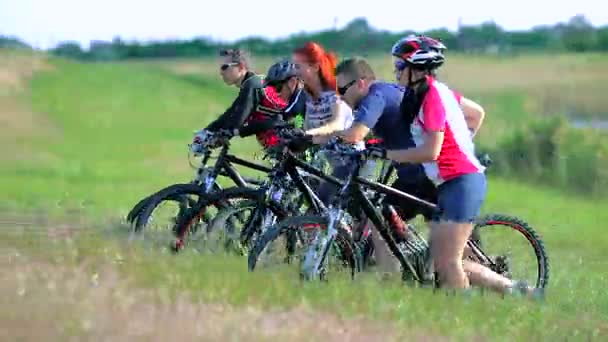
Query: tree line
x=357 y=37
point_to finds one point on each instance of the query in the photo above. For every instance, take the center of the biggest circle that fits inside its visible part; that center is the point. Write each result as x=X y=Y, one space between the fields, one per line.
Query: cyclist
x=444 y=147
x=325 y=111
x=283 y=77
x=253 y=103
x=377 y=107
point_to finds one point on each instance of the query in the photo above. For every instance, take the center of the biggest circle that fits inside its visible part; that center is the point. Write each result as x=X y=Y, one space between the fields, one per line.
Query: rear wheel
x=510 y=247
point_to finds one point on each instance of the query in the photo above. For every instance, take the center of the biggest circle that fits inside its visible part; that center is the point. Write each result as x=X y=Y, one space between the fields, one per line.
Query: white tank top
x=319 y=112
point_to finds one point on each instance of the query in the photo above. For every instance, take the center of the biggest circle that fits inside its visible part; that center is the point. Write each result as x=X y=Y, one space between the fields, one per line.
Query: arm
x=433 y=124
x=473 y=114
x=367 y=115
x=240 y=109
x=429 y=151
x=354 y=134
x=334 y=124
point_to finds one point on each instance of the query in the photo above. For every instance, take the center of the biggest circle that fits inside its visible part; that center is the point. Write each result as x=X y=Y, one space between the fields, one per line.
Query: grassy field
x=81 y=143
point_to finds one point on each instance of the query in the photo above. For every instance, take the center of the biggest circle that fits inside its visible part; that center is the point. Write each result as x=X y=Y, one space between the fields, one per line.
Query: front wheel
x=297 y=232
x=160 y=212
x=230 y=212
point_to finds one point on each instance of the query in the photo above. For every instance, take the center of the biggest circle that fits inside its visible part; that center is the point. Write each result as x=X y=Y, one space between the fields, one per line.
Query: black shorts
x=413 y=180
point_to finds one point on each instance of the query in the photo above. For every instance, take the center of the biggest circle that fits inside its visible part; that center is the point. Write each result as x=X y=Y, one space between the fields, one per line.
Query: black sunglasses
x=226 y=66
x=343 y=90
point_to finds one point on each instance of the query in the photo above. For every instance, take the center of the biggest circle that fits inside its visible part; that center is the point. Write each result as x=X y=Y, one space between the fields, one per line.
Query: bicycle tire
x=219 y=199
x=348 y=248
x=528 y=232
x=140 y=206
x=175 y=192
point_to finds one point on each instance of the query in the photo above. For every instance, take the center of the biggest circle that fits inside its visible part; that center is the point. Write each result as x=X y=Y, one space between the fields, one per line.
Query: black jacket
x=250 y=92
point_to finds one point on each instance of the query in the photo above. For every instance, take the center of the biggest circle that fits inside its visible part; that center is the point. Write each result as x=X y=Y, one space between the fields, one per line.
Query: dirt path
x=55 y=299
x=57 y=302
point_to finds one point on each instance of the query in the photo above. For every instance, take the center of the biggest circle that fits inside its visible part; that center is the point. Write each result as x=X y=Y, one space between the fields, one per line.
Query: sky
x=44 y=23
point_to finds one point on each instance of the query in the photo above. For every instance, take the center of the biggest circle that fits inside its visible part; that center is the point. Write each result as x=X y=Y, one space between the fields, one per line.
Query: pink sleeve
x=434 y=111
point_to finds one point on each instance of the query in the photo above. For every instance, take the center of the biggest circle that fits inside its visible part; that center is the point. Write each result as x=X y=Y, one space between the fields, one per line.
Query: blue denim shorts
x=460 y=199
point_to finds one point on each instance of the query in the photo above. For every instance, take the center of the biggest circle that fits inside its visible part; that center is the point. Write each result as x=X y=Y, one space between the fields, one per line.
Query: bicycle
x=409 y=247
x=205 y=179
x=287 y=191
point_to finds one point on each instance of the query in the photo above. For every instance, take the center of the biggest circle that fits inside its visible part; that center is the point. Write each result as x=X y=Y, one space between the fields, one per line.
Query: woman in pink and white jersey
x=444 y=147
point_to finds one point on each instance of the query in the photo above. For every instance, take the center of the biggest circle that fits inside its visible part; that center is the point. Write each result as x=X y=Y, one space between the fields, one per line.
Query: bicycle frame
x=290 y=165
x=353 y=188
x=223 y=167
x=271 y=191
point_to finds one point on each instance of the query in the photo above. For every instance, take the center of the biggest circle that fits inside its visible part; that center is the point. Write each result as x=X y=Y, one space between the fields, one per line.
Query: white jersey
x=319 y=112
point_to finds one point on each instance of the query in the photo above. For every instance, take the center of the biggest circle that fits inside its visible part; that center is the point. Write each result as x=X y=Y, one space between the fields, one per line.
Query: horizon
x=146 y=22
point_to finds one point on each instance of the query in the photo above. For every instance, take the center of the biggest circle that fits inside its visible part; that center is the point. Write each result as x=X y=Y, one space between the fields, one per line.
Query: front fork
x=320 y=246
x=179 y=243
x=269 y=218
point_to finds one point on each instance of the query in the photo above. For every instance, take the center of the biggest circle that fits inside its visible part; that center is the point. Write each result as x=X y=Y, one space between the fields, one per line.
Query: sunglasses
x=224 y=67
x=343 y=90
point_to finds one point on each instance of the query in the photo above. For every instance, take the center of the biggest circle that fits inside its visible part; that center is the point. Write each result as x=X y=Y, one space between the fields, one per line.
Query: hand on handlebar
x=227 y=133
x=299 y=143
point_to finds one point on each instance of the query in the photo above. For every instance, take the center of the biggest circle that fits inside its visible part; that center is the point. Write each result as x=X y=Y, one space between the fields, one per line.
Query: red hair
x=316 y=54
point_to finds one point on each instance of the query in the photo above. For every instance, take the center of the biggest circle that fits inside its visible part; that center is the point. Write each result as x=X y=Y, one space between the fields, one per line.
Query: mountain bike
x=407 y=245
x=205 y=180
x=287 y=191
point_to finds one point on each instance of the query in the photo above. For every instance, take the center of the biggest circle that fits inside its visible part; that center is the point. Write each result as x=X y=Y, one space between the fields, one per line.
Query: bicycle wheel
x=184 y=194
x=494 y=233
x=234 y=208
x=297 y=231
x=161 y=212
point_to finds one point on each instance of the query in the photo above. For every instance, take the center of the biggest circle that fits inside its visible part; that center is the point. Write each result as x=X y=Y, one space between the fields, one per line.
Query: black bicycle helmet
x=280 y=72
x=420 y=52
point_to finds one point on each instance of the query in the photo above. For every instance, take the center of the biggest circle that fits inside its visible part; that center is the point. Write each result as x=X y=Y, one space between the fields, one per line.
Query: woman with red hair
x=325 y=111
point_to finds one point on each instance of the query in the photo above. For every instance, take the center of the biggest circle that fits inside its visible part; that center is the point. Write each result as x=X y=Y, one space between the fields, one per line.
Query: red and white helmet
x=421 y=52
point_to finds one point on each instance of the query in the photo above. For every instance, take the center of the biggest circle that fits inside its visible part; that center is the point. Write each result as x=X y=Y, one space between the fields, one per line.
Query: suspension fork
x=319 y=248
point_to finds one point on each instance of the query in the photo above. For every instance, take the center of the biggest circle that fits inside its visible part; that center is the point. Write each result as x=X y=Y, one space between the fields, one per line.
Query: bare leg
x=482 y=276
x=447 y=247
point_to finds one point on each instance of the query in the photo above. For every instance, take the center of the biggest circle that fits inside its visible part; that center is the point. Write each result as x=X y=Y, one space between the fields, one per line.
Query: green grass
x=123 y=130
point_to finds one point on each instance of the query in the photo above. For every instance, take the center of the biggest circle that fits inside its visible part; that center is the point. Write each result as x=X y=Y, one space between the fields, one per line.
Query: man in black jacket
x=234 y=69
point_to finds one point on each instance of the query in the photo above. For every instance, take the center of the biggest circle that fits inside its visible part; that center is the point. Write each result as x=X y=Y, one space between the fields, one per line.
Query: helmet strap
x=410 y=83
